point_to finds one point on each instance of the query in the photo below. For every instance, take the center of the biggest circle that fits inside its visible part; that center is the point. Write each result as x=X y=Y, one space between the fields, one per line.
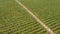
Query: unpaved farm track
x=36 y=18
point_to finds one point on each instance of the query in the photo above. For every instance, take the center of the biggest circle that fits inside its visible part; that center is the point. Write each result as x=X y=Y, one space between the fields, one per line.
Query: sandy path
x=36 y=18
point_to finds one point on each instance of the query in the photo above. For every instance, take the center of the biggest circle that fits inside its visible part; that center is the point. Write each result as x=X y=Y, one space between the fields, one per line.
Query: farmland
x=47 y=10
x=15 y=20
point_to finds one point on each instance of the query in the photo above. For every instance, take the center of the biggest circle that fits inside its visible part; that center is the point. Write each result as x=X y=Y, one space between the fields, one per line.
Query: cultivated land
x=35 y=17
x=47 y=10
x=15 y=20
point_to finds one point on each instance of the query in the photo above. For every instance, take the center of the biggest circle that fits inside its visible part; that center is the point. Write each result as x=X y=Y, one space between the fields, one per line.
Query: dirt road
x=36 y=18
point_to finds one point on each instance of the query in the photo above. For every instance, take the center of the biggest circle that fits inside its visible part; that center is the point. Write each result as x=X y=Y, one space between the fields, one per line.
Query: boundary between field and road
x=35 y=17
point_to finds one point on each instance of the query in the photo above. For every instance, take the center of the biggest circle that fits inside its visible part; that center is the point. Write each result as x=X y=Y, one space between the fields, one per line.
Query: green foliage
x=47 y=10
x=15 y=20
